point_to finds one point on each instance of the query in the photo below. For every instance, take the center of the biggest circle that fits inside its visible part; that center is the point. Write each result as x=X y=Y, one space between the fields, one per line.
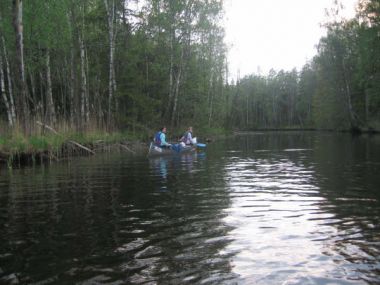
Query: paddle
x=201 y=145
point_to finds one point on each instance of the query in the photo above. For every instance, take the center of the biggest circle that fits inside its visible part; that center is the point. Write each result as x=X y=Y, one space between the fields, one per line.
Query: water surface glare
x=269 y=208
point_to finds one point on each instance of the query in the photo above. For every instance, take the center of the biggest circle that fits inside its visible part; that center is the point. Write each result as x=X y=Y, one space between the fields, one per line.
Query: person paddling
x=160 y=138
x=187 y=137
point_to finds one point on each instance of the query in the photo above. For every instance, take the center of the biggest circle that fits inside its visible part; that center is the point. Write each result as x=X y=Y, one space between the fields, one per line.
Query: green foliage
x=170 y=69
x=339 y=89
x=39 y=143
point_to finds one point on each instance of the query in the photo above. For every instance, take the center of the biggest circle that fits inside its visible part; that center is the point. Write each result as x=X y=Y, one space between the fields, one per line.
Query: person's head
x=163 y=129
x=190 y=129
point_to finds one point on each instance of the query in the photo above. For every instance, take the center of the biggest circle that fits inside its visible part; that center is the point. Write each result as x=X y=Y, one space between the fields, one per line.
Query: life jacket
x=157 y=138
x=185 y=138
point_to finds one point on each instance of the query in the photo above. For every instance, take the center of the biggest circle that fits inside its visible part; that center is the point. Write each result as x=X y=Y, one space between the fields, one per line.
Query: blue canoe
x=173 y=150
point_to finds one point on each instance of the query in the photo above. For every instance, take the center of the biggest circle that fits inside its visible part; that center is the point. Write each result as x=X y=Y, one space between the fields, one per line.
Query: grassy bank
x=18 y=149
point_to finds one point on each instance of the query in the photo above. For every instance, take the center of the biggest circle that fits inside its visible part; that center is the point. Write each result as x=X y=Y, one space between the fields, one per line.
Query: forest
x=339 y=89
x=116 y=65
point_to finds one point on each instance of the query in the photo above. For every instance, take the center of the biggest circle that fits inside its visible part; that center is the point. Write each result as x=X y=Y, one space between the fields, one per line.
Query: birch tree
x=4 y=65
x=50 y=109
x=23 y=109
x=111 y=18
x=4 y=95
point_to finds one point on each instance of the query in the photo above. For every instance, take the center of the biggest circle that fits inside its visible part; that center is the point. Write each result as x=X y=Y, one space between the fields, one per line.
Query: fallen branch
x=47 y=127
x=70 y=141
x=81 y=146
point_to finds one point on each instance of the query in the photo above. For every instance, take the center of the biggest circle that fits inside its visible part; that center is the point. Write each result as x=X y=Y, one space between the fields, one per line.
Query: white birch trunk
x=18 y=26
x=210 y=98
x=87 y=95
x=3 y=93
x=176 y=88
x=8 y=102
x=10 y=86
x=72 y=105
x=50 y=110
x=111 y=39
x=83 y=81
x=72 y=88
x=171 y=68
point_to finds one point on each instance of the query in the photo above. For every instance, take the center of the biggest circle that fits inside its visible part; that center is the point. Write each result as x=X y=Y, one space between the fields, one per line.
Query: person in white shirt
x=187 y=137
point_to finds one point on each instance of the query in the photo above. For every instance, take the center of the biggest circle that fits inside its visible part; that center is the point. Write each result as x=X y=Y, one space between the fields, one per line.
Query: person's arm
x=163 y=140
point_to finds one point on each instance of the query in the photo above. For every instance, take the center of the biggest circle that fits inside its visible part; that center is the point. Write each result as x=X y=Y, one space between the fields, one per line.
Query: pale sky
x=278 y=34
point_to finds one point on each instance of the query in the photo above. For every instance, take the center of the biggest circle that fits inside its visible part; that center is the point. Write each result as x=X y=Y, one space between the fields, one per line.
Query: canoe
x=174 y=150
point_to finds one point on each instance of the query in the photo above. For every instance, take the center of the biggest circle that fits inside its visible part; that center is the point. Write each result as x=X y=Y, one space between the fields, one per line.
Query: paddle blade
x=201 y=145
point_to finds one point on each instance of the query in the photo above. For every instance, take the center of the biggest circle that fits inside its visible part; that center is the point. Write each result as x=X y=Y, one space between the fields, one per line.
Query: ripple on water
x=271 y=216
x=280 y=202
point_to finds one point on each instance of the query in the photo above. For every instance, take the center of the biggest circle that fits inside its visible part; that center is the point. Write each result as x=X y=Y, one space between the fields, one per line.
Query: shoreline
x=68 y=151
x=19 y=151
x=353 y=132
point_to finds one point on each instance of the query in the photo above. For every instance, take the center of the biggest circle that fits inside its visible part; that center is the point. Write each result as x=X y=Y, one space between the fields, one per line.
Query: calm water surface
x=273 y=208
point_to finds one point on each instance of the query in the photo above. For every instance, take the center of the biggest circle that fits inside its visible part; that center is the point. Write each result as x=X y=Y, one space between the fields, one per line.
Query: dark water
x=285 y=208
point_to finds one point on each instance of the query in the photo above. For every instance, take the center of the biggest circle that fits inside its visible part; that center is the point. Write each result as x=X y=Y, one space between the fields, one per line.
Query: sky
x=278 y=34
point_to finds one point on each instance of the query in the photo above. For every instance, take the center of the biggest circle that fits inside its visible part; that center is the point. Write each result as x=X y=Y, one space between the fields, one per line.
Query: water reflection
x=102 y=220
x=295 y=203
x=267 y=209
x=160 y=167
x=165 y=166
x=274 y=211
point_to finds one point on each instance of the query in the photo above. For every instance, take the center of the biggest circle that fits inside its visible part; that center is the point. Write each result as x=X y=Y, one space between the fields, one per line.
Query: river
x=266 y=208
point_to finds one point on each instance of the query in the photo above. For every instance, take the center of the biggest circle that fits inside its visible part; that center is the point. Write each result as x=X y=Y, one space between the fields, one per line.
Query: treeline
x=339 y=89
x=110 y=63
x=117 y=64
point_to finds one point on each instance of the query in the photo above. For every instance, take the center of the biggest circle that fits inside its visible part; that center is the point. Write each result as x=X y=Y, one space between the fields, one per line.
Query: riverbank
x=17 y=149
x=355 y=131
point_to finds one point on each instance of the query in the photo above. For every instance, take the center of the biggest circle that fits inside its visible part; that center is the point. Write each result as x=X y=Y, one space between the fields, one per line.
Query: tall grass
x=15 y=142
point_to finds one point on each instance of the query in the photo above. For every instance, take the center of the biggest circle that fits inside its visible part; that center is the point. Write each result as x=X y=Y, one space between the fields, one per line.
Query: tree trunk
x=10 y=86
x=347 y=92
x=72 y=83
x=247 y=111
x=210 y=98
x=99 y=115
x=176 y=88
x=22 y=99
x=366 y=106
x=50 y=110
x=274 y=115
x=171 y=76
x=40 y=106
x=83 y=83
x=72 y=88
x=3 y=93
x=33 y=87
x=211 y=109
x=87 y=93
x=10 y=108
x=111 y=39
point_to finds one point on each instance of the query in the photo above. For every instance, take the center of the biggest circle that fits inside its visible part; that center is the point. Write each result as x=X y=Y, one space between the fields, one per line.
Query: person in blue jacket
x=160 y=138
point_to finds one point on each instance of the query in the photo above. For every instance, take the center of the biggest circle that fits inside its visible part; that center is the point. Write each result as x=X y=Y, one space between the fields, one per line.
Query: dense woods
x=110 y=64
x=124 y=64
x=338 y=89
